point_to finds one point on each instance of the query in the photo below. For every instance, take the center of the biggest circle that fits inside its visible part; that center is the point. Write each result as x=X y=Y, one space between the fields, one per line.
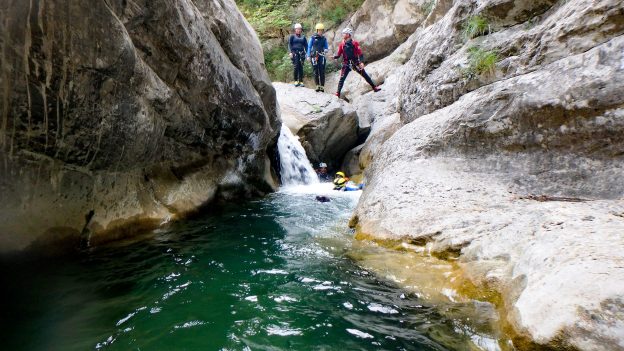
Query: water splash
x=295 y=166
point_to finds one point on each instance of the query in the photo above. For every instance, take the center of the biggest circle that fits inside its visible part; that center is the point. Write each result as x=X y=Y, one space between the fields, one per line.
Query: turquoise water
x=273 y=274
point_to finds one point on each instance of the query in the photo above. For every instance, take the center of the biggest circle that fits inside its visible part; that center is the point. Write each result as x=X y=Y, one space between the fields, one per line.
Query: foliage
x=476 y=26
x=428 y=6
x=482 y=61
x=334 y=12
x=280 y=67
x=273 y=19
x=269 y=18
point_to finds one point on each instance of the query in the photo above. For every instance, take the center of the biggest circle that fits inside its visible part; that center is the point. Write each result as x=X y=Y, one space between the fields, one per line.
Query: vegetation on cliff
x=273 y=20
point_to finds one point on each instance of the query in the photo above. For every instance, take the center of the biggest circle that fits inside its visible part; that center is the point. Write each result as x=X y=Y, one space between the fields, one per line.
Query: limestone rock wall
x=382 y=25
x=118 y=115
x=516 y=169
x=327 y=126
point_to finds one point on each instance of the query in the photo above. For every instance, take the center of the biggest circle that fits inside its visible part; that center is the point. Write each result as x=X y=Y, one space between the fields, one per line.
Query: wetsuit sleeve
x=290 y=39
x=325 y=46
x=358 y=51
x=306 y=43
x=339 y=53
x=310 y=47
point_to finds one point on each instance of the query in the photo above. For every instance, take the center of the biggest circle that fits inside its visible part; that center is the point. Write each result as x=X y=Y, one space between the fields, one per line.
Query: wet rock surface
x=119 y=115
x=514 y=170
x=327 y=126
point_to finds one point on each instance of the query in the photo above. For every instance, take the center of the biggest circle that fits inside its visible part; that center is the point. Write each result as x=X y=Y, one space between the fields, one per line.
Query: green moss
x=428 y=7
x=274 y=19
x=476 y=26
x=269 y=18
x=482 y=61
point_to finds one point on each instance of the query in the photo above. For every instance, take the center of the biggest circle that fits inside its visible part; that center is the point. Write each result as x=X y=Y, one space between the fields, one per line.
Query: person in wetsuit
x=322 y=174
x=317 y=49
x=352 y=58
x=297 y=45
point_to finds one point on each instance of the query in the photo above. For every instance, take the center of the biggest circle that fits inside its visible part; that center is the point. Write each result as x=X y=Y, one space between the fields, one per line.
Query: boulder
x=119 y=116
x=521 y=179
x=381 y=26
x=439 y=71
x=355 y=86
x=378 y=113
x=327 y=126
x=351 y=162
x=383 y=128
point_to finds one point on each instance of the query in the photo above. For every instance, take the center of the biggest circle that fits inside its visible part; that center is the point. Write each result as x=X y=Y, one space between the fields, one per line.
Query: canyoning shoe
x=321 y=89
x=376 y=89
x=338 y=95
x=301 y=84
x=318 y=88
x=295 y=83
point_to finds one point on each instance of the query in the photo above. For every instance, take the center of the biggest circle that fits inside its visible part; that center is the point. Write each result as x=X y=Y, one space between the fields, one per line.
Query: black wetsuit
x=352 y=57
x=318 y=45
x=323 y=178
x=297 y=45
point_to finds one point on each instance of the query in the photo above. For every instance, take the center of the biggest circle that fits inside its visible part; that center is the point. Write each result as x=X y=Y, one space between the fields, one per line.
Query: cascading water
x=295 y=166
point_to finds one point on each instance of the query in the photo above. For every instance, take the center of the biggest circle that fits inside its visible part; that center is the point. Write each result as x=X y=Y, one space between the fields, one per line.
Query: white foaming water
x=325 y=189
x=295 y=166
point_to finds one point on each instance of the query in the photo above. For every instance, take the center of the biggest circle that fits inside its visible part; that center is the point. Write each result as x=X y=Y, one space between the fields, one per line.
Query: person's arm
x=305 y=41
x=339 y=53
x=325 y=45
x=310 y=47
x=290 y=40
x=358 y=52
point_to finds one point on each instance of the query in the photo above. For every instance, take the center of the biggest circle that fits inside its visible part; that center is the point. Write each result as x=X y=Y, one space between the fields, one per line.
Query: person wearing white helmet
x=322 y=174
x=297 y=45
x=352 y=58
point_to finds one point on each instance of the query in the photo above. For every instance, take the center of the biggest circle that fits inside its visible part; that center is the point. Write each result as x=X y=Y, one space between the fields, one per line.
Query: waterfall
x=295 y=166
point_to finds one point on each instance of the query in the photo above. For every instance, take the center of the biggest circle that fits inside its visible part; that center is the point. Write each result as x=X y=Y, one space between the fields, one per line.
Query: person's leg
x=301 y=62
x=343 y=76
x=321 y=65
x=317 y=74
x=295 y=70
x=368 y=79
x=299 y=68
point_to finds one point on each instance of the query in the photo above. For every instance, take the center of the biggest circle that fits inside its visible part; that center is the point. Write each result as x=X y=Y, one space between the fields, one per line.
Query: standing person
x=297 y=45
x=352 y=58
x=317 y=49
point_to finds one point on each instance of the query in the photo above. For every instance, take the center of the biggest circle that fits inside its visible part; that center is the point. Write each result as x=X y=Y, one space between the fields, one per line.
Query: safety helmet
x=340 y=174
x=320 y=26
x=322 y=165
x=347 y=31
x=298 y=26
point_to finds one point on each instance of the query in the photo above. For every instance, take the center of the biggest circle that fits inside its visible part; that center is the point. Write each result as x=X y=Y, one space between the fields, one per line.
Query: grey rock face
x=327 y=126
x=435 y=76
x=127 y=114
x=381 y=26
x=518 y=171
